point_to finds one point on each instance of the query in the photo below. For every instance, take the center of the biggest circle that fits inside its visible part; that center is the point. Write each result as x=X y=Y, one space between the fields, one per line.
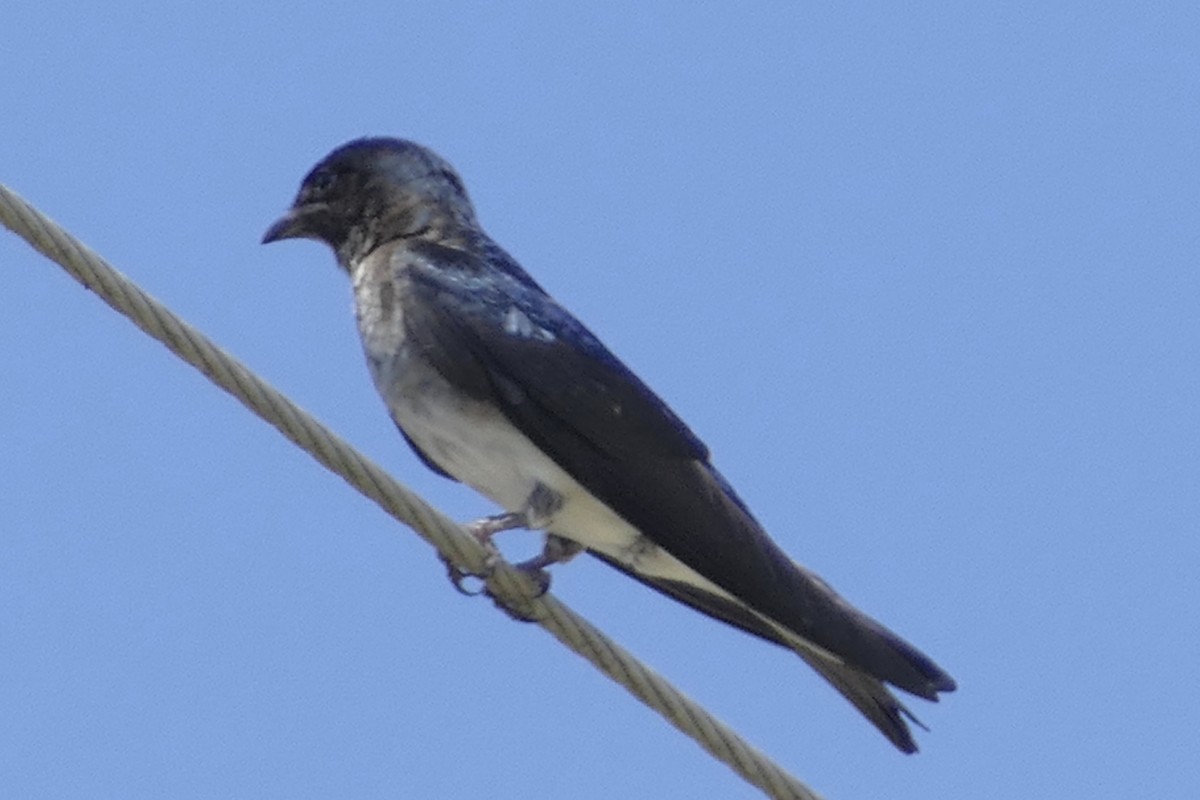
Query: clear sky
x=923 y=278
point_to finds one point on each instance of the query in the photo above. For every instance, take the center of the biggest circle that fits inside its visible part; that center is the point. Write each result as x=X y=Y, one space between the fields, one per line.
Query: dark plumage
x=495 y=384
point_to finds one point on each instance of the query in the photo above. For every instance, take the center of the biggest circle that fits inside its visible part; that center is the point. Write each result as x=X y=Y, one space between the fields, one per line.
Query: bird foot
x=557 y=550
x=484 y=529
x=532 y=568
x=541 y=580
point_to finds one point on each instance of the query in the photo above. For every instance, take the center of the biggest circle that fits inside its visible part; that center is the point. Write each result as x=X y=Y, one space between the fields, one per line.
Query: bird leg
x=482 y=530
x=557 y=550
x=541 y=505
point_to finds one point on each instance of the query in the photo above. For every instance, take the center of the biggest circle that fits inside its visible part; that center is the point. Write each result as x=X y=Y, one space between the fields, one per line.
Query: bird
x=496 y=385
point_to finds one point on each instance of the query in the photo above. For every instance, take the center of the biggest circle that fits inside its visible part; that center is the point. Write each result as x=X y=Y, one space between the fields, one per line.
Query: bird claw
x=482 y=531
x=533 y=570
x=458 y=576
x=541 y=579
x=556 y=550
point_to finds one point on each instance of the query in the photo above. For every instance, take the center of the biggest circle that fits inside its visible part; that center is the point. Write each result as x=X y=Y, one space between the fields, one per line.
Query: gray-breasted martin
x=494 y=384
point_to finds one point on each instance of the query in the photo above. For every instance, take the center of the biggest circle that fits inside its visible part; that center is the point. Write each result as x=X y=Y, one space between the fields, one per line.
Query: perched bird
x=494 y=384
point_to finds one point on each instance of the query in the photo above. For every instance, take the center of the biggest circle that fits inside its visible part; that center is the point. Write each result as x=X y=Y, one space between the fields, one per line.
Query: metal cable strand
x=510 y=588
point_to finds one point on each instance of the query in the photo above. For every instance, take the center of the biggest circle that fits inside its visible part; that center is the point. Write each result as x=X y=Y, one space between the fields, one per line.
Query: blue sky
x=924 y=279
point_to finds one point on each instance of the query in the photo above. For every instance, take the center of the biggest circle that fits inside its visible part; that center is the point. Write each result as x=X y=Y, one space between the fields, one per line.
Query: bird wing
x=504 y=341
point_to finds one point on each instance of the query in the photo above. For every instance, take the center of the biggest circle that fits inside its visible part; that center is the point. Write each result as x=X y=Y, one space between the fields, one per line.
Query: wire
x=512 y=590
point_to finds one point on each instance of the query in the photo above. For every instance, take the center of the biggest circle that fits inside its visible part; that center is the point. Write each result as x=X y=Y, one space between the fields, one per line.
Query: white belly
x=480 y=447
x=476 y=444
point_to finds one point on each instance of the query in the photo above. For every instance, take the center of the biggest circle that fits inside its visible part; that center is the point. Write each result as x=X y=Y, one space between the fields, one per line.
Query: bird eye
x=321 y=183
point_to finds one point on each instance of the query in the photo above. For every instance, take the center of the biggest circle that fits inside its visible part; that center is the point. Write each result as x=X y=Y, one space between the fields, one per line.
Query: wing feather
x=507 y=342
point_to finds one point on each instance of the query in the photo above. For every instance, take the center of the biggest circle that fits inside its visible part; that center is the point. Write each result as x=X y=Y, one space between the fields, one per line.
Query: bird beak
x=295 y=224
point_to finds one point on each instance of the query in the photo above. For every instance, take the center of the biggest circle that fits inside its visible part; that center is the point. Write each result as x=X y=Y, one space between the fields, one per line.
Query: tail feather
x=868 y=694
x=870 y=697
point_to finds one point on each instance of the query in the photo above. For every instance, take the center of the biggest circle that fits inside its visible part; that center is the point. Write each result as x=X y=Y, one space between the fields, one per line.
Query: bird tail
x=874 y=700
x=868 y=694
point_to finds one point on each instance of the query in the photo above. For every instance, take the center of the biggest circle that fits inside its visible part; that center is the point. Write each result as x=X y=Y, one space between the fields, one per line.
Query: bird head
x=372 y=191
